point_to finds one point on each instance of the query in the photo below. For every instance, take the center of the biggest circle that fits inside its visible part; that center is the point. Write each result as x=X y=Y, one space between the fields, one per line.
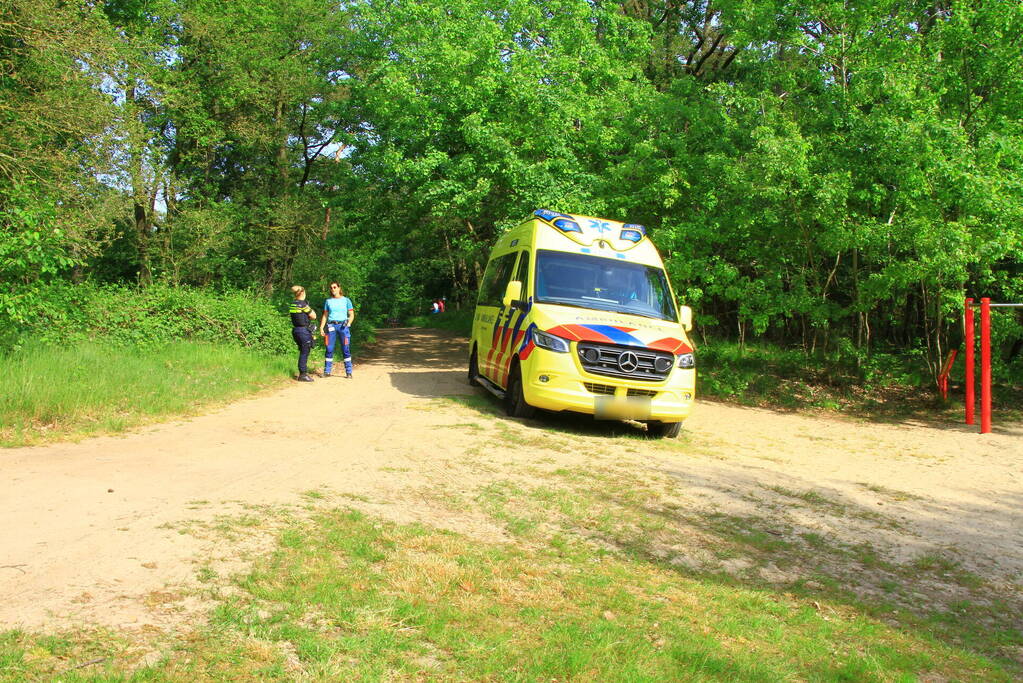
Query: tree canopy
x=835 y=175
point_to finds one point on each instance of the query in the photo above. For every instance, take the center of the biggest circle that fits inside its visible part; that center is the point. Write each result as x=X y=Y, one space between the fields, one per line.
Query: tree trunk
x=143 y=227
x=140 y=195
x=477 y=270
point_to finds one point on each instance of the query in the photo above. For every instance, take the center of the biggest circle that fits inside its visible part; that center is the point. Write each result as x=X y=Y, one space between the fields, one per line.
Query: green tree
x=53 y=119
x=257 y=102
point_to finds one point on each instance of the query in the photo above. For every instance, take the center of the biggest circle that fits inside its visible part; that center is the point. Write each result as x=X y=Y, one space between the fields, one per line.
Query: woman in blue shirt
x=338 y=315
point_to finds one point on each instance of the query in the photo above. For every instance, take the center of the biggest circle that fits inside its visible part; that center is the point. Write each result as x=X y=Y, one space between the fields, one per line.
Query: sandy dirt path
x=92 y=530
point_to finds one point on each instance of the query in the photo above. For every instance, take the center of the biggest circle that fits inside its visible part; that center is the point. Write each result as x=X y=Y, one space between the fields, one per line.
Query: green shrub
x=765 y=374
x=151 y=317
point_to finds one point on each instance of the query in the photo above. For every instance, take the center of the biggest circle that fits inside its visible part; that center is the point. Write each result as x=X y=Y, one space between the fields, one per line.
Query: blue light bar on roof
x=631 y=235
x=549 y=215
x=635 y=226
x=567 y=225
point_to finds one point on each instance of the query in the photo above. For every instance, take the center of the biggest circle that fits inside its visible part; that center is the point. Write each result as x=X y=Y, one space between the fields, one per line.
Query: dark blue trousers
x=304 y=339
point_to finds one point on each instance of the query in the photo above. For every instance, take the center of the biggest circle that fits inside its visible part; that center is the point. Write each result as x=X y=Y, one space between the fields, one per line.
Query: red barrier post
x=968 y=343
x=985 y=366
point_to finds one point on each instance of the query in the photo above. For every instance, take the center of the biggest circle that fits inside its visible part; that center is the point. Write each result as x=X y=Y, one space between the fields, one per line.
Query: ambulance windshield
x=603 y=284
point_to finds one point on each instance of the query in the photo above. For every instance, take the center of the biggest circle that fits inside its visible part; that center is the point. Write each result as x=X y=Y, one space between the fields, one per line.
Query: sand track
x=93 y=529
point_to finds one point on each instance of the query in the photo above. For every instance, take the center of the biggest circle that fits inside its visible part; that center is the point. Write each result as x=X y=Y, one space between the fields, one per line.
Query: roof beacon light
x=549 y=215
x=566 y=225
x=631 y=235
x=634 y=226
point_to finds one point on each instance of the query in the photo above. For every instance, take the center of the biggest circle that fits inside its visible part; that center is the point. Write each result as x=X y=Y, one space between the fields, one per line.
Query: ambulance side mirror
x=686 y=316
x=512 y=294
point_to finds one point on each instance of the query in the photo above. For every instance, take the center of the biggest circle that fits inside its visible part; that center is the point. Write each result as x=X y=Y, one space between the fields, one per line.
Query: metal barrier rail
x=985 y=306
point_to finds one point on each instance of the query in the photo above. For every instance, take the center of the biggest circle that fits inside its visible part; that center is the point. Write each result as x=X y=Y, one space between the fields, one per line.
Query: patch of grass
x=358 y=497
x=635 y=519
x=811 y=498
x=85 y=654
x=892 y=494
x=231 y=527
x=754 y=533
x=934 y=563
x=455 y=321
x=868 y=557
x=502 y=501
x=837 y=508
x=485 y=405
x=509 y=433
x=475 y=426
x=350 y=597
x=585 y=593
x=103 y=388
x=814 y=540
x=206 y=574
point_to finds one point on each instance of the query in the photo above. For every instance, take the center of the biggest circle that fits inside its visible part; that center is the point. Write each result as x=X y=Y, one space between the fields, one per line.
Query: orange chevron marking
x=671 y=345
x=565 y=331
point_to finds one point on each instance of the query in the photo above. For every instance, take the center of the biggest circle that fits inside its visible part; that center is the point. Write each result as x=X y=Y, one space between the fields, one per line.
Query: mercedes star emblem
x=628 y=362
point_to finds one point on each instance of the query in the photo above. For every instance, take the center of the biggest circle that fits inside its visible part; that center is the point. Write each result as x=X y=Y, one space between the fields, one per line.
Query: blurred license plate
x=615 y=408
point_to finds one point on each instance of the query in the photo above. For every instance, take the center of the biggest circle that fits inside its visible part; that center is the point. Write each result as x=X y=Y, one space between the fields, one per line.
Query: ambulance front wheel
x=474 y=370
x=663 y=430
x=514 y=401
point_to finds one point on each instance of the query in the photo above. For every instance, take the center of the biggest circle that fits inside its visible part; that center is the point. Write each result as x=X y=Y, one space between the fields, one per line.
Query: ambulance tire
x=514 y=401
x=474 y=370
x=663 y=430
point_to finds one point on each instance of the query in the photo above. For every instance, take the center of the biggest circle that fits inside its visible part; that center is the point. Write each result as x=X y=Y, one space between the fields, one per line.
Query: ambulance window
x=603 y=284
x=496 y=279
x=522 y=274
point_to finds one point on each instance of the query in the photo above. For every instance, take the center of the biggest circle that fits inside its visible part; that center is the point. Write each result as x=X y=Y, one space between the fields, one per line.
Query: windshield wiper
x=592 y=306
x=559 y=302
x=644 y=315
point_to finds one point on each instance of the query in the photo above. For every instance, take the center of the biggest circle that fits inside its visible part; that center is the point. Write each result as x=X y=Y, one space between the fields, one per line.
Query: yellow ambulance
x=576 y=313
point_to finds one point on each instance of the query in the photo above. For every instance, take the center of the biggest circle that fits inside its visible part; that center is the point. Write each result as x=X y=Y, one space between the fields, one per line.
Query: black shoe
x=304 y=377
x=348 y=376
x=324 y=375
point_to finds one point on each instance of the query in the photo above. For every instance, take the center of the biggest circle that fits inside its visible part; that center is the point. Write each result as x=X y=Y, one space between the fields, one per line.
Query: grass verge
x=350 y=597
x=56 y=392
x=884 y=386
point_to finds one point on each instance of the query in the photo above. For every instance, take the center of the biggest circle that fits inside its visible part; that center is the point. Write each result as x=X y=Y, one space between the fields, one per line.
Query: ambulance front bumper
x=556 y=381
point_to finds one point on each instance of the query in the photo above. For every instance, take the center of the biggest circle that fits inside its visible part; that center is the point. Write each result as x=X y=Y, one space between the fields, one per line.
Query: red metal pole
x=985 y=366
x=968 y=344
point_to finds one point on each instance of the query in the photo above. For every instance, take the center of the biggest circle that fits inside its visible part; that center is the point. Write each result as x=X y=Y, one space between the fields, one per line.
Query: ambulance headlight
x=550 y=342
x=687 y=360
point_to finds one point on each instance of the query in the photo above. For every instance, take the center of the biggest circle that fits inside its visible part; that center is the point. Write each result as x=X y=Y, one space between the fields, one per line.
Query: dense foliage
x=835 y=176
x=151 y=318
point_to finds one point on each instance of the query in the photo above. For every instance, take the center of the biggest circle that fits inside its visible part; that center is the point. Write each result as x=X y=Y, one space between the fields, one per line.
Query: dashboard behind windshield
x=602 y=284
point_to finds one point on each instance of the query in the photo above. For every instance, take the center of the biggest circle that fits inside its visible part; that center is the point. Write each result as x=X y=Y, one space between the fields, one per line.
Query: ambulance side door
x=489 y=314
x=511 y=325
x=518 y=318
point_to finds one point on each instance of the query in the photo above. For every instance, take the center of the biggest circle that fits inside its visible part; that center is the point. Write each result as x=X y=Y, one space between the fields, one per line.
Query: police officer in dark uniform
x=301 y=315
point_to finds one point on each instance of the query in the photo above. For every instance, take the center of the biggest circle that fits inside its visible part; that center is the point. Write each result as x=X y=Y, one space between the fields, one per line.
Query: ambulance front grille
x=642 y=392
x=625 y=361
x=595 y=388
